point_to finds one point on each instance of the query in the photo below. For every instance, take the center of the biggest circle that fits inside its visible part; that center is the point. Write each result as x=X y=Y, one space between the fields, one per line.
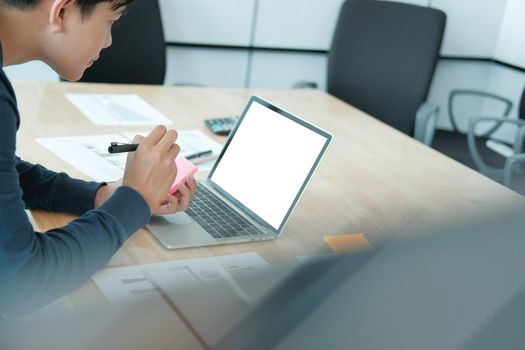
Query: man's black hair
x=86 y=6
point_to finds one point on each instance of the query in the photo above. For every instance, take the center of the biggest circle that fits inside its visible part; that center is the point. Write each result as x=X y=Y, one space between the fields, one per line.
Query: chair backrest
x=383 y=58
x=138 y=52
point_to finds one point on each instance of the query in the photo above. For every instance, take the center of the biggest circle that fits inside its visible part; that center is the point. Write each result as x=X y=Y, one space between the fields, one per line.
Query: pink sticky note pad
x=185 y=168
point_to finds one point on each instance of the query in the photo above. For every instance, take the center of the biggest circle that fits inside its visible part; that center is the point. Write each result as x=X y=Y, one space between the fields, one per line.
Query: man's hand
x=180 y=200
x=171 y=204
x=151 y=169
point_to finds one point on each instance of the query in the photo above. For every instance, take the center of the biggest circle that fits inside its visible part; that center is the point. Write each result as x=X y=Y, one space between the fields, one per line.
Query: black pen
x=117 y=147
x=199 y=154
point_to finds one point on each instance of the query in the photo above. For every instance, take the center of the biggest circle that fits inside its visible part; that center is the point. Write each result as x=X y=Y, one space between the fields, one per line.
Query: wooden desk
x=373 y=179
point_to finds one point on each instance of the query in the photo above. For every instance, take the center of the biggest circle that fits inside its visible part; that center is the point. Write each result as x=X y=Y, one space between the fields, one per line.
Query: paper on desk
x=89 y=154
x=128 y=284
x=117 y=109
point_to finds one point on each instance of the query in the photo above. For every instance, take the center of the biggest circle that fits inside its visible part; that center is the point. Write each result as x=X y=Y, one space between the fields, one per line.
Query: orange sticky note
x=185 y=168
x=352 y=243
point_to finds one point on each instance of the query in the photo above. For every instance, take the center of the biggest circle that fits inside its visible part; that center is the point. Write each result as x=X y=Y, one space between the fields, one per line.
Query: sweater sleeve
x=45 y=189
x=38 y=268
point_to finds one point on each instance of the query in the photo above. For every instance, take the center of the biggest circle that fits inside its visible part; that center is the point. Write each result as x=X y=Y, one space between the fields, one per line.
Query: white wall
x=296 y=24
x=207 y=67
x=414 y=2
x=511 y=47
x=224 y=22
x=473 y=26
x=283 y=69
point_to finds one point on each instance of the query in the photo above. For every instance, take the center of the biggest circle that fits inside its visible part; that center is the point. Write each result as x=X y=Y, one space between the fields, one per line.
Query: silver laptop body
x=235 y=203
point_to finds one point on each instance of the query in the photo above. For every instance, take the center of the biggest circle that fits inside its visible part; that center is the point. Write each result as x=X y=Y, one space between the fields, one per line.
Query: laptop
x=256 y=183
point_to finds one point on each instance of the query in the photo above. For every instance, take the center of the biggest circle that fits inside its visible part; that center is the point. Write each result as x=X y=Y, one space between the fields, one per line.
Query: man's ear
x=57 y=13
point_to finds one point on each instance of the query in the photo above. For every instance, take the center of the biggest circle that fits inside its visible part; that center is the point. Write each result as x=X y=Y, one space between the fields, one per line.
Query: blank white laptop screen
x=267 y=162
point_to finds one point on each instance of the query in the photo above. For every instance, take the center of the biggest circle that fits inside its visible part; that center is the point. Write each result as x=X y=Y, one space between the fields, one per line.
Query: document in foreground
x=127 y=284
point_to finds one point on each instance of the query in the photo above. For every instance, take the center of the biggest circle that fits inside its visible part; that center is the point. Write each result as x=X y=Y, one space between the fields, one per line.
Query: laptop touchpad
x=179 y=231
x=178 y=219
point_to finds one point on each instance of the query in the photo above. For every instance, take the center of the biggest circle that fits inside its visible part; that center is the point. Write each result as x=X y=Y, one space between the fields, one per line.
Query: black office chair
x=383 y=59
x=138 y=53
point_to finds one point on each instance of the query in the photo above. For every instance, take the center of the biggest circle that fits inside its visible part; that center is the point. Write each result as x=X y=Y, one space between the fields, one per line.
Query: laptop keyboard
x=218 y=219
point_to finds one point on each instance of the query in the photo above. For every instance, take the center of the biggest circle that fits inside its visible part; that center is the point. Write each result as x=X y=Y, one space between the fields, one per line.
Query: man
x=37 y=268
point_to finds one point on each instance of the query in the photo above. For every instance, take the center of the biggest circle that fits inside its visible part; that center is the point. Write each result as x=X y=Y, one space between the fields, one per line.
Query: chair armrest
x=305 y=85
x=509 y=167
x=425 y=124
x=456 y=93
x=474 y=152
x=520 y=140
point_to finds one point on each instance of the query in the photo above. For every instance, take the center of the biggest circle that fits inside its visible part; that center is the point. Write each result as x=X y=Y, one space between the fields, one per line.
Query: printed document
x=104 y=109
x=127 y=284
x=89 y=154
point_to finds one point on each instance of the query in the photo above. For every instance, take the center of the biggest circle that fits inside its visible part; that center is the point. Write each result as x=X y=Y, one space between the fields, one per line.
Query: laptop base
x=181 y=231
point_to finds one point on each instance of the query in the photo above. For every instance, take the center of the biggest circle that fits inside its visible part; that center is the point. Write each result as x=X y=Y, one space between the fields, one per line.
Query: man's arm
x=38 y=268
x=45 y=189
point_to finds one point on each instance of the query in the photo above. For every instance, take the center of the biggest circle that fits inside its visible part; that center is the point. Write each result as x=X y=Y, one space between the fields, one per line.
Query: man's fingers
x=186 y=197
x=174 y=150
x=167 y=209
x=168 y=139
x=138 y=139
x=179 y=201
x=192 y=184
x=155 y=135
x=174 y=204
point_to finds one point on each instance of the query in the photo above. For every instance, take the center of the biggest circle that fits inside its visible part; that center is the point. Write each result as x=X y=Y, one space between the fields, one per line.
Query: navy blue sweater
x=37 y=268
